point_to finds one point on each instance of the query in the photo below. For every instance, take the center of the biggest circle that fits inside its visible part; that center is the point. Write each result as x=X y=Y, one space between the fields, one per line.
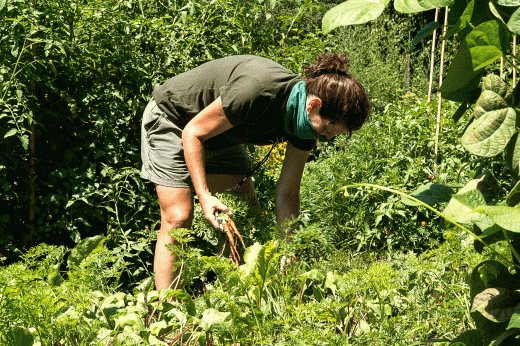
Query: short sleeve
x=244 y=99
x=302 y=144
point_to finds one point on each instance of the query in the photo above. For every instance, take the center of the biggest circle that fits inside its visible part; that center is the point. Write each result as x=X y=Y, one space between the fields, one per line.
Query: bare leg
x=222 y=182
x=176 y=212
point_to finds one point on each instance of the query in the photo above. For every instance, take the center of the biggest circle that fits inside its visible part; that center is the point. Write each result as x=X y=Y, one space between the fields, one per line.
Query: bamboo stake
x=32 y=151
x=514 y=60
x=432 y=59
x=439 y=106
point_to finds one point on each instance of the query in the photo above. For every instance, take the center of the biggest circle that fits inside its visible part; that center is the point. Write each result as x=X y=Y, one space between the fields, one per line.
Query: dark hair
x=343 y=97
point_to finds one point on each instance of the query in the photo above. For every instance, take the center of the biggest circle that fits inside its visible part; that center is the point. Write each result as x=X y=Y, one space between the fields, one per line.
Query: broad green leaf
x=491 y=235
x=461 y=206
x=509 y=2
x=213 y=319
x=482 y=46
x=514 y=22
x=513 y=154
x=413 y=6
x=250 y=258
x=487 y=42
x=514 y=322
x=506 y=217
x=85 y=248
x=474 y=13
x=488 y=135
x=507 y=338
x=430 y=194
x=2 y=4
x=468 y=338
x=513 y=198
x=496 y=304
x=487 y=274
x=313 y=275
x=352 y=12
x=189 y=304
x=130 y=321
x=424 y=32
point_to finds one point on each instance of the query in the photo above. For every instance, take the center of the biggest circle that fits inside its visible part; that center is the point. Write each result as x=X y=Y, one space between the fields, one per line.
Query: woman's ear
x=313 y=104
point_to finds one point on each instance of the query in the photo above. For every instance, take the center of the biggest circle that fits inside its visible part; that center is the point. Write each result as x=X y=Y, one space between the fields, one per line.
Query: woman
x=196 y=123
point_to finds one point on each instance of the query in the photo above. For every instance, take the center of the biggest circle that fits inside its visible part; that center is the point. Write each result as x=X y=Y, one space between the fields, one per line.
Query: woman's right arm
x=210 y=122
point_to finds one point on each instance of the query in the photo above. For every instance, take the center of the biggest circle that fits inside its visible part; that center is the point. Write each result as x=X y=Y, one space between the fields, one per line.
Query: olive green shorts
x=163 y=156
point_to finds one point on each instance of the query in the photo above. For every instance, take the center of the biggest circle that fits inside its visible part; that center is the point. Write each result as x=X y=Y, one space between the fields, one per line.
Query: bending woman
x=194 y=128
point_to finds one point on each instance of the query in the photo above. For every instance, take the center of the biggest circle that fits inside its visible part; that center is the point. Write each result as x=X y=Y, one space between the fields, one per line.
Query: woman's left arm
x=288 y=187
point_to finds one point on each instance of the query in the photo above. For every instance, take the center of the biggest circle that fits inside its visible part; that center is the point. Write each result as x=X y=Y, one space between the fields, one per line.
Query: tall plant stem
x=439 y=105
x=514 y=60
x=432 y=58
x=32 y=147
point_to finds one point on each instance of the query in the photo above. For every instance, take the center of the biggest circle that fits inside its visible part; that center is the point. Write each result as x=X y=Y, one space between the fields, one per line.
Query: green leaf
x=10 y=133
x=413 y=6
x=482 y=46
x=513 y=24
x=352 y=12
x=509 y=2
x=213 y=319
x=130 y=321
x=496 y=304
x=2 y=4
x=514 y=322
x=491 y=235
x=513 y=198
x=427 y=30
x=430 y=194
x=487 y=274
x=468 y=338
x=506 y=217
x=488 y=135
x=86 y=247
x=513 y=154
x=189 y=304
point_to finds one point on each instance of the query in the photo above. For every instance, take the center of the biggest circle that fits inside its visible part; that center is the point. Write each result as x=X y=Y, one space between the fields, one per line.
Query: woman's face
x=326 y=128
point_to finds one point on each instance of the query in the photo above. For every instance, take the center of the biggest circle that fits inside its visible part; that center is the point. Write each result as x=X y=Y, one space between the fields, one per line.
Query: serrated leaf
x=430 y=194
x=506 y=217
x=84 y=249
x=496 y=304
x=352 y=12
x=413 y=6
x=468 y=338
x=424 y=32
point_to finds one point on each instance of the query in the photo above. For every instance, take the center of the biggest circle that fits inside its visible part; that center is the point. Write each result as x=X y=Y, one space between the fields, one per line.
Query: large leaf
x=513 y=154
x=22 y=337
x=515 y=319
x=424 y=32
x=430 y=194
x=85 y=248
x=413 y=6
x=488 y=274
x=468 y=338
x=496 y=304
x=353 y=12
x=491 y=235
x=513 y=23
x=506 y=217
x=482 y=46
x=474 y=13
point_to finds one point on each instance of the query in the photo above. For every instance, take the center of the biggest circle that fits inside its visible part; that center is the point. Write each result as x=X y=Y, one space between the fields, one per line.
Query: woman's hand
x=210 y=204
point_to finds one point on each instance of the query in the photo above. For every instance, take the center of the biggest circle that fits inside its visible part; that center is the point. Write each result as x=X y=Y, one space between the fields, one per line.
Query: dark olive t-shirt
x=253 y=92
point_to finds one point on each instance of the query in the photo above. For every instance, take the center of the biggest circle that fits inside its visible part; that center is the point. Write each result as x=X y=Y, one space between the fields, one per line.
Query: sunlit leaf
x=513 y=153
x=487 y=274
x=506 y=217
x=213 y=319
x=513 y=198
x=413 y=6
x=353 y=12
x=509 y=2
x=85 y=248
x=514 y=22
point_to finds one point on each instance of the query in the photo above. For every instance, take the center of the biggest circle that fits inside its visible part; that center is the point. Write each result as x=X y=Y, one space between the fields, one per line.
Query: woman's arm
x=210 y=122
x=288 y=186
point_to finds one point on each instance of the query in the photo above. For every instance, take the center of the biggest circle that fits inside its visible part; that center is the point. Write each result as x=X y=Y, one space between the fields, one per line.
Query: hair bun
x=329 y=63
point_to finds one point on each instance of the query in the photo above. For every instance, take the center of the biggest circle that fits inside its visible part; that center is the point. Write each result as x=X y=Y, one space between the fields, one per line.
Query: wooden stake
x=514 y=61
x=432 y=59
x=439 y=106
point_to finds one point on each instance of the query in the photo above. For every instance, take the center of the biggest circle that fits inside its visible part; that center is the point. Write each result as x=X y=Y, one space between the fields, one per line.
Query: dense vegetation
x=78 y=227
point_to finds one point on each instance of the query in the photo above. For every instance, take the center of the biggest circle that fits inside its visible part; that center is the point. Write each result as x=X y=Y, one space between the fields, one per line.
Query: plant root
x=232 y=234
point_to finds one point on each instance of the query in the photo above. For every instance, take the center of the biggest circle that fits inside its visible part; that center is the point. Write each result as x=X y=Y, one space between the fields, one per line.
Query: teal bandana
x=297 y=122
